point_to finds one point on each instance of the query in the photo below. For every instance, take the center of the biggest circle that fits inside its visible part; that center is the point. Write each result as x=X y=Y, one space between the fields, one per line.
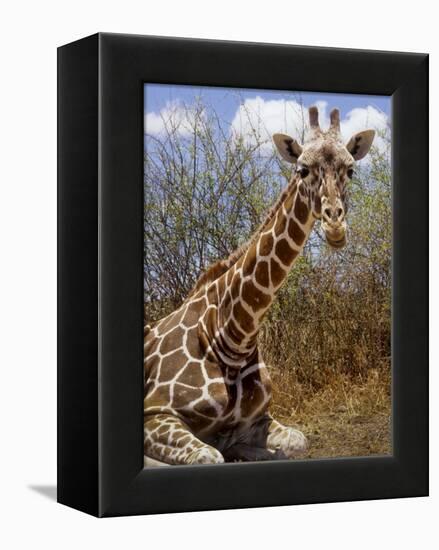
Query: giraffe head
x=324 y=166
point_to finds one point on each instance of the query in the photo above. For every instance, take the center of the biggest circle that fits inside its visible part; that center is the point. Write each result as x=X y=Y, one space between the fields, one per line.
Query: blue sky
x=242 y=109
x=157 y=95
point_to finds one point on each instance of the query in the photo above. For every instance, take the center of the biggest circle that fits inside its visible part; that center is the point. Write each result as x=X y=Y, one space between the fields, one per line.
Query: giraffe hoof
x=289 y=442
x=296 y=444
x=206 y=455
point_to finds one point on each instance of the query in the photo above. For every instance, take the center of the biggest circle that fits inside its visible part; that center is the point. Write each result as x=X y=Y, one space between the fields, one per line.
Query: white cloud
x=362 y=119
x=257 y=120
x=174 y=117
x=257 y=117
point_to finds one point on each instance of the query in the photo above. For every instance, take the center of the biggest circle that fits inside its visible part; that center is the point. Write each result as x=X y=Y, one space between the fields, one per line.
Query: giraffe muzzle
x=340 y=243
x=335 y=235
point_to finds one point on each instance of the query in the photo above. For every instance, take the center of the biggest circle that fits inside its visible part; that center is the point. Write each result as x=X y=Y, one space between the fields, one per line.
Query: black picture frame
x=100 y=279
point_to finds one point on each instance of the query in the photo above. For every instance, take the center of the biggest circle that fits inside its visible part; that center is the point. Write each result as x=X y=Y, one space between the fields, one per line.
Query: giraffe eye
x=303 y=171
x=350 y=173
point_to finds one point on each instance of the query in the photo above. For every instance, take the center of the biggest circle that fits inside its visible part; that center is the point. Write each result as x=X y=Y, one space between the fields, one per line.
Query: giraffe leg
x=169 y=440
x=285 y=440
x=265 y=439
x=245 y=452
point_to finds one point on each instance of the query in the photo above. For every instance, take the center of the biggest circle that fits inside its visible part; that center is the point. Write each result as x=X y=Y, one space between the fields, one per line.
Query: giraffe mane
x=218 y=268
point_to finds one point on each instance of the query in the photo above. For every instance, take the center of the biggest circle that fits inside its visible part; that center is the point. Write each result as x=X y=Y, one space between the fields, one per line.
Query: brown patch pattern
x=284 y=252
x=296 y=232
x=277 y=272
x=255 y=298
x=261 y=274
x=301 y=211
x=266 y=244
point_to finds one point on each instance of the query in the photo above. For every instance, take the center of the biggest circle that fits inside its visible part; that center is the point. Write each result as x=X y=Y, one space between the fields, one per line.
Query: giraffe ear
x=359 y=144
x=289 y=149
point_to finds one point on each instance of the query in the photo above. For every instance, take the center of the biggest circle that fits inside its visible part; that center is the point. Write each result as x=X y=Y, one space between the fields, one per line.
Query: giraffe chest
x=209 y=397
x=235 y=398
x=182 y=378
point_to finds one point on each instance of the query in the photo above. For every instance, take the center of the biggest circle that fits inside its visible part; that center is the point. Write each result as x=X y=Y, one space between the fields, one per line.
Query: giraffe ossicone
x=207 y=389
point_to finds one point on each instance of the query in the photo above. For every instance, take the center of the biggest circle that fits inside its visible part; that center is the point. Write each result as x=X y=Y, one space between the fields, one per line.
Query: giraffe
x=207 y=389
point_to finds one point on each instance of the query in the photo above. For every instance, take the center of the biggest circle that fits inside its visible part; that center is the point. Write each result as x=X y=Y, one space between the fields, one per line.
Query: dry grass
x=328 y=344
x=328 y=350
x=346 y=417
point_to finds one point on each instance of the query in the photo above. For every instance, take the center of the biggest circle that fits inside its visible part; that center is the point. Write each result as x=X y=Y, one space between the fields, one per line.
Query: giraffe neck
x=246 y=291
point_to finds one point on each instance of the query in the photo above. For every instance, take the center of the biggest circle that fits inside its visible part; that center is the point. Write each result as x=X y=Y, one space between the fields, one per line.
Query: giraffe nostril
x=339 y=213
x=327 y=213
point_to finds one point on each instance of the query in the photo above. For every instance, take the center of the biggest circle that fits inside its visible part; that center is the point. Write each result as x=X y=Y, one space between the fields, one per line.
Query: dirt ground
x=345 y=417
x=342 y=419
